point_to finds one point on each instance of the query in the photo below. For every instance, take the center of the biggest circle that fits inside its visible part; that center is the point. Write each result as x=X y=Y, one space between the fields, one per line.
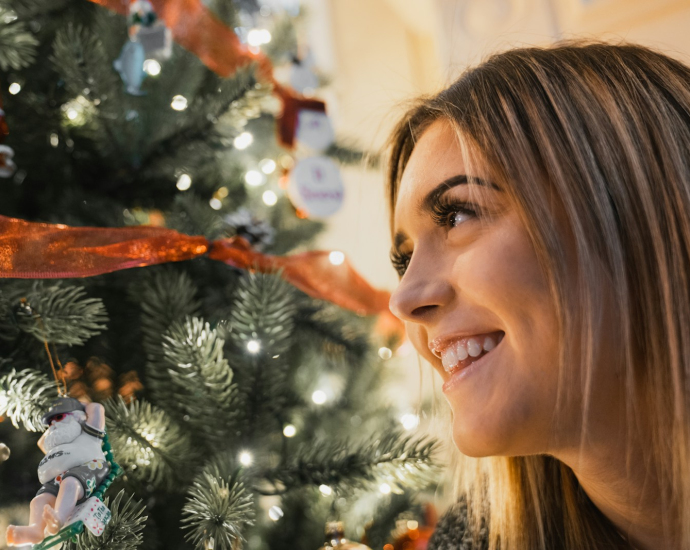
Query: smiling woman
x=541 y=231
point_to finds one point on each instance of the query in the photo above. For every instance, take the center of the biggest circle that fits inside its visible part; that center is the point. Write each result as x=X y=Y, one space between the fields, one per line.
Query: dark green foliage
x=201 y=380
x=148 y=444
x=17 y=44
x=393 y=458
x=62 y=314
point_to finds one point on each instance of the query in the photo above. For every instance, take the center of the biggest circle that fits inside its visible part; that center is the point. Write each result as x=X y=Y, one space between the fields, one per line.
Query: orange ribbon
x=33 y=250
x=197 y=29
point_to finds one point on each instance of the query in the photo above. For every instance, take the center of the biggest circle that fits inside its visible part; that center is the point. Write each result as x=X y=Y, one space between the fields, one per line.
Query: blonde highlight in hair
x=599 y=134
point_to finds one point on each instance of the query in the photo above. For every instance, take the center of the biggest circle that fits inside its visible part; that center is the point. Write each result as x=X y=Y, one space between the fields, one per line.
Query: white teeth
x=489 y=343
x=461 y=351
x=449 y=358
x=474 y=348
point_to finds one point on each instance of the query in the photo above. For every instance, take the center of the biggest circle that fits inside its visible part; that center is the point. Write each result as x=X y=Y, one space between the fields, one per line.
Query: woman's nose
x=422 y=292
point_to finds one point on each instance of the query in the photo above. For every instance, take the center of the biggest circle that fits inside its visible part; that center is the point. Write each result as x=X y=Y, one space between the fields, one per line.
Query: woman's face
x=473 y=297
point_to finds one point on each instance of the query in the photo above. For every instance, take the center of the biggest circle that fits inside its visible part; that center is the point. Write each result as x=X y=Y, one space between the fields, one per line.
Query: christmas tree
x=243 y=412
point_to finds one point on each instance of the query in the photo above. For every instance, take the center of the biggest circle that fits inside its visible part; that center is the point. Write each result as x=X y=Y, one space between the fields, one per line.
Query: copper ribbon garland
x=197 y=29
x=33 y=250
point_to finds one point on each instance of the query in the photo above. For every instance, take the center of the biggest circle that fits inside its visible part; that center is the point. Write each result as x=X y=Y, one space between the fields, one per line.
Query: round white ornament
x=316 y=187
x=314 y=129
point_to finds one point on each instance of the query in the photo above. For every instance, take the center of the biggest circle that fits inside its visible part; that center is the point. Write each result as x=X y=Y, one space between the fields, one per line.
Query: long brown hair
x=604 y=130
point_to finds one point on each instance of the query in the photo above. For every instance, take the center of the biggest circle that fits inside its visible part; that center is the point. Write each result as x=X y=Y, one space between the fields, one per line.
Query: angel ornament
x=75 y=466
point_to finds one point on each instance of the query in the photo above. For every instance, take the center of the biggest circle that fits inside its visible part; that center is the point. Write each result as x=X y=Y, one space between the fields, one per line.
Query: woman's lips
x=460 y=351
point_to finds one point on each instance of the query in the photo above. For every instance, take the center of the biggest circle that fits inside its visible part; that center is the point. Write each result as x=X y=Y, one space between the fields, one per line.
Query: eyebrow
x=426 y=203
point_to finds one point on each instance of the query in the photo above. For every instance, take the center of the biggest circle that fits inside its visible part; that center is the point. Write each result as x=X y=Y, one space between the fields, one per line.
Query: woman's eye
x=400 y=261
x=451 y=214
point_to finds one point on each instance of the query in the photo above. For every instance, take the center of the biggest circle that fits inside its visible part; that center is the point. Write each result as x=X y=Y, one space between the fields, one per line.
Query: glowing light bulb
x=152 y=67
x=215 y=203
x=254 y=178
x=184 y=182
x=257 y=37
x=244 y=140
x=275 y=513
x=319 y=397
x=253 y=346
x=385 y=353
x=246 y=458
x=15 y=88
x=325 y=490
x=267 y=166
x=269 y=198
x=385 y=488
x=409 y=421
x=179 y=103
x=289 y=431
x=72 y=114
x=336 y=257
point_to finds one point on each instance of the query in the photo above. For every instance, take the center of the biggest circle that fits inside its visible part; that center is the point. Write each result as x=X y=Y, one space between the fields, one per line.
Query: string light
x=152 y=67
x=268 y=166
x=289 y=431
x=246 y=458
x=409 y=421
x=184 y=182
x=253 y=346
x=269 y=198
x=257 y=37
x=54 y=140
x=385 y=488
x=336 y=257
x=319 y=397
x=385 y=353
x=215 y=203
x=15 y=88
x=325 y=490
x=275 y=513
x=254 y=178
x=244 y=140
x=412 y=524
x=179 y=103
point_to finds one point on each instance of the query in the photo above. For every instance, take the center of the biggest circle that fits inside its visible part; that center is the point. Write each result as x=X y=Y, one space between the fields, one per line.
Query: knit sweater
x=452 y=533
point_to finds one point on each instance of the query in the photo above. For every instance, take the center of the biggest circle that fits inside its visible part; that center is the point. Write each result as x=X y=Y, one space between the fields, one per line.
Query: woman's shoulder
x=453 y=533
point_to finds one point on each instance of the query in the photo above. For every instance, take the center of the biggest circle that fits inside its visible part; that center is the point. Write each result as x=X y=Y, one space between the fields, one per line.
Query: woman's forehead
x=437 y=156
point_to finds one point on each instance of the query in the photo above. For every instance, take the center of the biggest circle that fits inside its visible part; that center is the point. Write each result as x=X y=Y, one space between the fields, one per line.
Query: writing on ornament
x=308 y=194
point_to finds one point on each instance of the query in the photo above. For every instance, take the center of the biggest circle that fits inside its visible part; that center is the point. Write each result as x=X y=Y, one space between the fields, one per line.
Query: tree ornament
x=130 y=65
x=335 y=538
x=74 y=474
x=316 y=187
x=302 y=75
x=314 y=129
x=258 y=232
x=147 y=29
x=4 y=452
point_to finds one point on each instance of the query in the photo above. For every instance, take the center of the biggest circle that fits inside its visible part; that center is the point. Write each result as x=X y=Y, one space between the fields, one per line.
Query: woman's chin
x=480 y=442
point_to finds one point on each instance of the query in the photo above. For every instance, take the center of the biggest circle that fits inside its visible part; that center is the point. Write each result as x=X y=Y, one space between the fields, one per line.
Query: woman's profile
x=541 y=230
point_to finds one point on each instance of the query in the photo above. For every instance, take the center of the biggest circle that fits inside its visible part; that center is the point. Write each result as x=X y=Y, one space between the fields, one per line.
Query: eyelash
x=441 y=212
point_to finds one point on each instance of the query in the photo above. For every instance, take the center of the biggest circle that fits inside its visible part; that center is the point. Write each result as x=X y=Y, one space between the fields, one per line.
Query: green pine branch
x=200 y=379
x=17 y=44
x=62 y=314
x=124 y=531
x=25 y=396
x=165 y=295
x=263 y=311
x=218 y=507
x=148 y=444
x=393 y=458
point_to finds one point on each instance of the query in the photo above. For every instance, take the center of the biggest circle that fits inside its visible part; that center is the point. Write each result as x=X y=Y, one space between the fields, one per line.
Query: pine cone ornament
x=243 y=224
